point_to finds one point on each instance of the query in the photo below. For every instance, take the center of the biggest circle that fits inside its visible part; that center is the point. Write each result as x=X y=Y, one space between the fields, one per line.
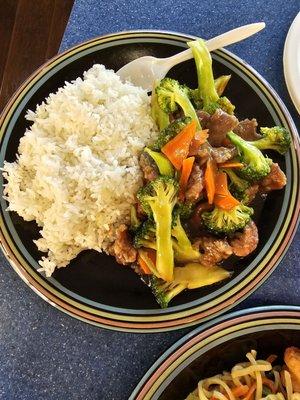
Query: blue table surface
x=45 y=354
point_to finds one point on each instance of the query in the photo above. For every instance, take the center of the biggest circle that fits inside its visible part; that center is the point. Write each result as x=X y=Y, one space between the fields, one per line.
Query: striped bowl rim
x=208 y=335
x=187 y=314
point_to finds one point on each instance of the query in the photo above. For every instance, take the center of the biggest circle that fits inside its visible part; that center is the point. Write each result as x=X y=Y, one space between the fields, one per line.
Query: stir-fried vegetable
x=186 y=170
x=191 y=276
x=145 y=235
x=225 y=104
x=209 y=179
x=220 y=86
x=256 y=165
x=206 y=85
x=231 y=164
x=223 y=198
x=177 y=149
x=134 y=221
x=170 y=132
x=221 y=83
x=159 y=116
x=158 y=199
x=146 y=261
x=171 y=95
x=223 y=221
x=238 y=186
x=191 y=217
x=185 y=210
x=276 y=138
x=183 y=249
x=163 y=164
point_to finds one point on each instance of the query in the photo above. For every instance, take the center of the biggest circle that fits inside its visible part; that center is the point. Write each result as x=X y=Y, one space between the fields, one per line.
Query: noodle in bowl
x=252 y=354
x=255 y=379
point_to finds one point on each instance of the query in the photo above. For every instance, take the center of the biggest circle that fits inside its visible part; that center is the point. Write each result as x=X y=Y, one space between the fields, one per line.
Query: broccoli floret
x=184 y=210
x=170 y=95
x=225 y=104
x=237 y=186
x=160 y=117
x=165 y=291
x=194 y=95
x=191 y=276
x=170 y=132
x=221 y=83
x=183 y=249
x=206 y=85
x=145 y=235
x=276 y=138
x=223 y=221
x=256 y=165
x=134 y=221
x=158 y=199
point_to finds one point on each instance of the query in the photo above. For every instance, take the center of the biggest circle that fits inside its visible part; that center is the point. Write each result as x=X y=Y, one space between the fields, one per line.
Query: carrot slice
x=250 y=392
x=198 y=140
x=239 y=391
x=226 y=203
x=209 y=180
x=231 y=164
x=143 y=265
x=186 y=170
x=223 y=198
x=221 y=186
x=177 y=149
x=151 y=254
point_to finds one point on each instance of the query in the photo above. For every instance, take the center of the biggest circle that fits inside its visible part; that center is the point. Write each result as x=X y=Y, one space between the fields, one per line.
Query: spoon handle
x=235 y=35
x=227 y=38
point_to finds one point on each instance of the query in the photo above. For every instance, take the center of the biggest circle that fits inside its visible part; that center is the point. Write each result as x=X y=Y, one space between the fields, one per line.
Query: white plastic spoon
x=145 y=70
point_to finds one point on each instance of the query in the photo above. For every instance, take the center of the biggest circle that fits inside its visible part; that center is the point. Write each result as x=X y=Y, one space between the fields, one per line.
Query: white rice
x=77 y=170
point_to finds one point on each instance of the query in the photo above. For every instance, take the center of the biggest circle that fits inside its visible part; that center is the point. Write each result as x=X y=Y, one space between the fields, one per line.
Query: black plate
x=93 y=283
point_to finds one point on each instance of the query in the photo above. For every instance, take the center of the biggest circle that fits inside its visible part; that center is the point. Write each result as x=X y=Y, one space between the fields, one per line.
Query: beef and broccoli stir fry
x=200 y=179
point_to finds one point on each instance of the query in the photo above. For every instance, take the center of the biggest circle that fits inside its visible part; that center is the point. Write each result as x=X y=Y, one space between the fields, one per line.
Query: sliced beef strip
x=204 y=153
x=122 y=248
x=246 y=129
x=195 y=222
x=245 y=242
x=219 y=154
x=197 y=142
x=204 y=118
x=148 y=167
x=223 y=154
x=275 y=180
x=213 y=250
x=195 y=185
x=251 y=192
x=219 y=124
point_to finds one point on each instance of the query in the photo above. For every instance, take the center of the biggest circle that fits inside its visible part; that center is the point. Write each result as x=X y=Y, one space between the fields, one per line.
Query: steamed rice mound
x=77 y=170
